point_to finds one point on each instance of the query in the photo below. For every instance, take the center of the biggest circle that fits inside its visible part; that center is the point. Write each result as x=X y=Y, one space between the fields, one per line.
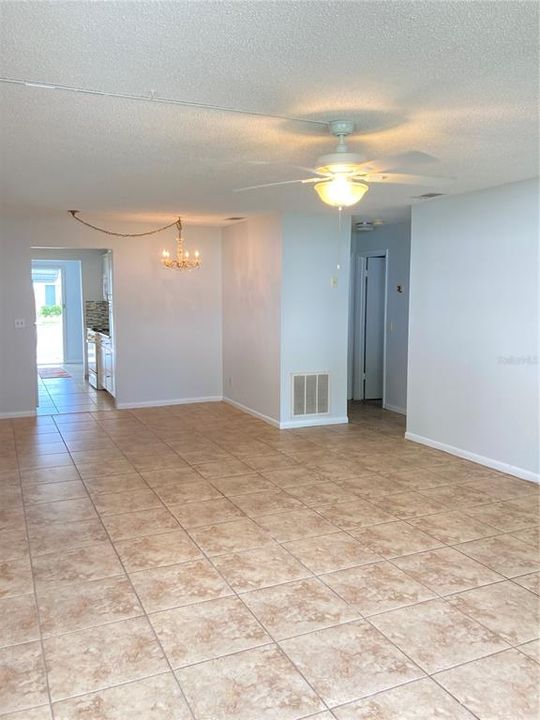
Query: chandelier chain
x=74 y=214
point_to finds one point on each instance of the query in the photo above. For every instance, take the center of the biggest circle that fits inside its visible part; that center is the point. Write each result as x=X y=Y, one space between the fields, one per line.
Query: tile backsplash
x=96 y=314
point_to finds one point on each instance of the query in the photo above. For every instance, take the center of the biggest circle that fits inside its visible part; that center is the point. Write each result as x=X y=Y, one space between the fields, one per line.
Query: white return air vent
x=310 y=394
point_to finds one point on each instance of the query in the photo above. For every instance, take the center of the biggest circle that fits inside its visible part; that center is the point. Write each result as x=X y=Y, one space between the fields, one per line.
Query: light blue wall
x=473 y=344
x=314 y=314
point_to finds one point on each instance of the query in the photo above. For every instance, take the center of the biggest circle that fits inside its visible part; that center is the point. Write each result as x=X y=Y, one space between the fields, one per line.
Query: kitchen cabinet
x=92 y=358
x=106 y=364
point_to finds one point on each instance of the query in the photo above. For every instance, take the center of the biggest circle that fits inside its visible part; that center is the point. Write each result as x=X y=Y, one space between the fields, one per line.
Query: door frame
x=64 y=312
x=359 y=324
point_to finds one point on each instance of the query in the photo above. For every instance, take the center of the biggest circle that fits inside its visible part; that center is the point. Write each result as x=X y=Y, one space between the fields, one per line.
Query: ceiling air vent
x=310 y=394
x=428 y=196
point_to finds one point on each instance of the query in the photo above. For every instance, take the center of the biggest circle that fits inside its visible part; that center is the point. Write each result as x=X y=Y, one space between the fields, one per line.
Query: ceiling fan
x=342 y=176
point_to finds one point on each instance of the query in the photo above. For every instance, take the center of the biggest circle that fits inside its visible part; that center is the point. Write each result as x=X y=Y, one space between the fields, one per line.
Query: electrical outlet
x=20 y=324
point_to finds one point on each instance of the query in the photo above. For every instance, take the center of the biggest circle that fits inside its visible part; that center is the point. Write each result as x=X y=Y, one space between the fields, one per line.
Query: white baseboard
x=288 y=424
x=254 y=413
x=19 y=414
x=313 y=422
x=163 y=403
x=395 y=408
x=480 y=459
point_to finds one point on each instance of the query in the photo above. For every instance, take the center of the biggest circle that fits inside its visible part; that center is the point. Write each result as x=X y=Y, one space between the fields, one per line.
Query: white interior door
x=375 y=281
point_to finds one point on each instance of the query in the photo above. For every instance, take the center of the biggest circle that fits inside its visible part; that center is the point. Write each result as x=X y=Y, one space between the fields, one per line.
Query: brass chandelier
x=183 y=260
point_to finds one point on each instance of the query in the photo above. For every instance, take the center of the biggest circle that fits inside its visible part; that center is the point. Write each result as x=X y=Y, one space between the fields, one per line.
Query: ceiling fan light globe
x=340 y=191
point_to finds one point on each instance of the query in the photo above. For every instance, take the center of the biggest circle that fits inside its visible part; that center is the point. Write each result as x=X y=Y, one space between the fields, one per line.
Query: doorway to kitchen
x=73 y=300
x=369 y=337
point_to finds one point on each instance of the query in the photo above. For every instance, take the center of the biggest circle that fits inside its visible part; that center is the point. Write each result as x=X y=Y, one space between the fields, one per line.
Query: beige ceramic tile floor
x=72 y=394
x=192 y=562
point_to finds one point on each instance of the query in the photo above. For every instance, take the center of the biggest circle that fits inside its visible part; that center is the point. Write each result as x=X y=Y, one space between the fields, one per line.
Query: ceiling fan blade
x=312 y=170
x=406 y=179
x=392 y=162
x=272 y=184
x=296 y=167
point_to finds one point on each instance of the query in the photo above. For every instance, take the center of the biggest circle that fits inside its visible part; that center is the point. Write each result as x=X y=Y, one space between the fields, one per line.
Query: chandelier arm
x=74 y=215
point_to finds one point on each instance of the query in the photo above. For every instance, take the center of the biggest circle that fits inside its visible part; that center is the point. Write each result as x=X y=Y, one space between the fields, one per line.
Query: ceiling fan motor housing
x=341 y=127
x=339 y=162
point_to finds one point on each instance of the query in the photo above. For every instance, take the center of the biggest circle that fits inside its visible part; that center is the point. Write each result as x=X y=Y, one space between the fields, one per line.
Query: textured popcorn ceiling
x=457 y=80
